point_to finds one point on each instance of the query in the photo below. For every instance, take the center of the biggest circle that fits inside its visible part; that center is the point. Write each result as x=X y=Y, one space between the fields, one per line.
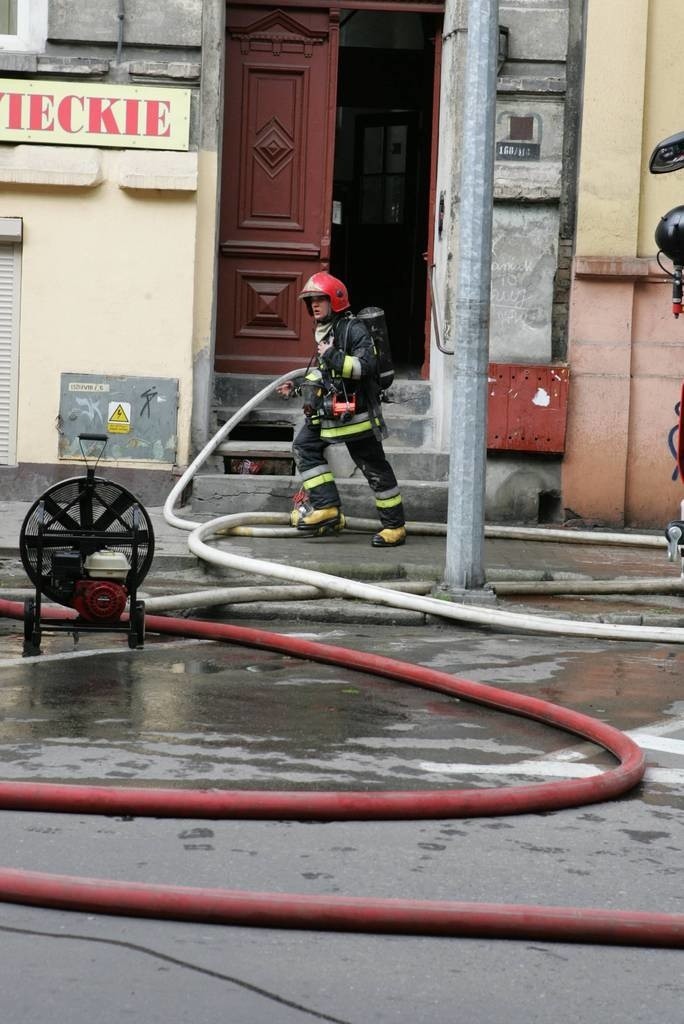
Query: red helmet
x=325 y=284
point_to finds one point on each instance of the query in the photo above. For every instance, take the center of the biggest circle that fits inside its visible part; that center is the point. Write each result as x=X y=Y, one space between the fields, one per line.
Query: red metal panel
x=527 y=408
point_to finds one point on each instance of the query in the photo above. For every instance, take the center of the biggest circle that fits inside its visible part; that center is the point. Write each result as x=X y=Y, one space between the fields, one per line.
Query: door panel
x=272 y=193
x=275 y=193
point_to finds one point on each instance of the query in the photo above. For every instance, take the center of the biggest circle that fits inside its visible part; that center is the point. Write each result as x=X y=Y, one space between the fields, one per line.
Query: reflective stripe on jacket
x=351 y=366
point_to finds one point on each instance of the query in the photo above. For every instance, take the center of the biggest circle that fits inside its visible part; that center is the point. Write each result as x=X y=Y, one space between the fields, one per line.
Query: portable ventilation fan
x=87 y=543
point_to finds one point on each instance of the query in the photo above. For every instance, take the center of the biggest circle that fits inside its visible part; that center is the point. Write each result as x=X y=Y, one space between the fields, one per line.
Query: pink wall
x=626 y=356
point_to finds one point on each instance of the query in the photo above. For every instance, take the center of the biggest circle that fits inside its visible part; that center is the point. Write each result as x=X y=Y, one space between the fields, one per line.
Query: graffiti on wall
x=672 y=441
x=138 y=415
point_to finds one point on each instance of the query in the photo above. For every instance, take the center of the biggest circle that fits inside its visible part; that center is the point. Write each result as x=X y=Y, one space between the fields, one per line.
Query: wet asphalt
x=201 y=714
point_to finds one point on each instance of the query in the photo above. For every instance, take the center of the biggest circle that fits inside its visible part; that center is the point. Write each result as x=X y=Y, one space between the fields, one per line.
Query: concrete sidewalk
x=168 y=541
x=421 y=559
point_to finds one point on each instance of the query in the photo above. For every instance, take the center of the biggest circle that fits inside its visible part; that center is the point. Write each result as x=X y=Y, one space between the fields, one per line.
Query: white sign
x=119 y=418
x=94 y=114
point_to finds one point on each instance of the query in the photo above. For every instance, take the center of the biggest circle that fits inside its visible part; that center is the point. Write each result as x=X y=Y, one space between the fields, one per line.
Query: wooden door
x=276 y=186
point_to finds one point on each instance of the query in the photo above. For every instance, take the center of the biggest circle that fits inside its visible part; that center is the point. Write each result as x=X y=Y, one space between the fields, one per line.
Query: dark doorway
x=381 y=187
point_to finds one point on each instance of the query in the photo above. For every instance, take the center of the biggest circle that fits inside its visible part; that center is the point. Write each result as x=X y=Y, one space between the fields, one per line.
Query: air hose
x=358 y=914
x=326 y=806
x=344 y=913
x=479 y=616
x=278 y=525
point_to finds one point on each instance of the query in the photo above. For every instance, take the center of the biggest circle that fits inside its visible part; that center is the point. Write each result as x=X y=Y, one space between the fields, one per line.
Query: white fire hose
x=308 y=582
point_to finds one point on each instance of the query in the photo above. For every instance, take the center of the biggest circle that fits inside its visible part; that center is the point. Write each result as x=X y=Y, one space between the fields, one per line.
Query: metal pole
x=465 y=519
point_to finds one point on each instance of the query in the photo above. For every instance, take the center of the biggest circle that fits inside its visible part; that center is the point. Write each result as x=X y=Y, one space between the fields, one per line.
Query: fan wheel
x=84 y=514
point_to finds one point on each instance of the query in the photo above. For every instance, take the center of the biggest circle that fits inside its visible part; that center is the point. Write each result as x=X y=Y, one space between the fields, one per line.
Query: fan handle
x=103 y=438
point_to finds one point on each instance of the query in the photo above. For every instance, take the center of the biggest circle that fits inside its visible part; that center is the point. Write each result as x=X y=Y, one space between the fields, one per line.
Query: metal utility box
x=527 y=408
x=138 y=414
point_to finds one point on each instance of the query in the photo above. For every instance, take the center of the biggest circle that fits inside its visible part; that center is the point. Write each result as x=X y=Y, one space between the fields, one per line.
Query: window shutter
x=9 y=300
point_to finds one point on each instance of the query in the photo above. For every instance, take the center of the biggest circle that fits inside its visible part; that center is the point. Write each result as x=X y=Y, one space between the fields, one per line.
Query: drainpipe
x=464 y=568
x=209 y=217
x=120 y=35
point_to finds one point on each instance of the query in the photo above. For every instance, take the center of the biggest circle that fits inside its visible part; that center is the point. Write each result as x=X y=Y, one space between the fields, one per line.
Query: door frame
x=392 y=6
x=389 y=6
x=432 y=202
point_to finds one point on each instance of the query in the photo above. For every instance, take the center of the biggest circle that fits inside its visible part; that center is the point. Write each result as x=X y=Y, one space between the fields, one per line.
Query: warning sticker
x=119 y=418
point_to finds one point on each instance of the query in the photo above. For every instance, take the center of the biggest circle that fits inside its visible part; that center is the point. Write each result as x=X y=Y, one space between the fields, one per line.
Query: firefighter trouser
x=368 y=454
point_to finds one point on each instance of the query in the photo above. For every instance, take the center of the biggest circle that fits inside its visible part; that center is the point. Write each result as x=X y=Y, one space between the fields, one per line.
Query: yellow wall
x=107 y=288
x=663 y=116
x=611 y=141
x=632 y=99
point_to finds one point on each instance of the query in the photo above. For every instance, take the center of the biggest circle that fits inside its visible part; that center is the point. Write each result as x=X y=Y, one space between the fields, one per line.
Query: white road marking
x=647 y=741
x=664 y=727
x=648 y=737
x=534 y=769
x=549 y=769
x=42 y=659
x=665 y=776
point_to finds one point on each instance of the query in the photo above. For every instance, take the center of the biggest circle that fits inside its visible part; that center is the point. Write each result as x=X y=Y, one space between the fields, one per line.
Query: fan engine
x=86 y=543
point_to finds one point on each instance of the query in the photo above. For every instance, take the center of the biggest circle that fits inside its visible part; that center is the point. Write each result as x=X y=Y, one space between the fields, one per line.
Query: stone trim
x=91 y=67
x=162 y=70
x=527 y=183
x=541 y=85
x=79 y=167
x=169 y=171
x=25 y=63
x=51 y=165
x=625 y=268
x=42 y=64
x=81 y=67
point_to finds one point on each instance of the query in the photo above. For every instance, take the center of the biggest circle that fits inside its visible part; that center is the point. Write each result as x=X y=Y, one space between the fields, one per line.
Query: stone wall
x=174 y=23
x=536 y=141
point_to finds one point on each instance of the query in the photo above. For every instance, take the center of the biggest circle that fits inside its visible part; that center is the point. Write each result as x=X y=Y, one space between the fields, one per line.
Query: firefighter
x=341 y=406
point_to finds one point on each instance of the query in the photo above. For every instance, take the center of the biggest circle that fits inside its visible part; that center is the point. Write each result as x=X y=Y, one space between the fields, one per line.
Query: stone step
x=265 y=437
x=407 y=429
x=233 y=390
x=408 y=415
x=215 y=494
x=276 y=458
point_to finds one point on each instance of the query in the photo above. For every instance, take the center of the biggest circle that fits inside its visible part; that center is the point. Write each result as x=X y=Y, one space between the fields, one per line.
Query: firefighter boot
x=317 y=522
x=388 y=538
x=302 y=507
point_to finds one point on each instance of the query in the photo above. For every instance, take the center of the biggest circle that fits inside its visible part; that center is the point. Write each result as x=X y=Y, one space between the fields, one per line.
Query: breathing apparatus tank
x=374 y=319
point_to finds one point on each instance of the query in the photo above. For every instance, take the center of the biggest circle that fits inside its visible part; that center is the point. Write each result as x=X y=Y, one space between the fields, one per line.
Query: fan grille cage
x=79 y=508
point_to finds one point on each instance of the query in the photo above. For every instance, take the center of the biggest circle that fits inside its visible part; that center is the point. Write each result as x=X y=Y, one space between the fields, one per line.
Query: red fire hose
x=345 y=913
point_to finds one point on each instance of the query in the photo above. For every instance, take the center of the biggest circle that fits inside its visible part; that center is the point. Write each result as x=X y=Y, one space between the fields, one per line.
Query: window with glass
x=23 y=25
x=383 y=179
x=8 y=17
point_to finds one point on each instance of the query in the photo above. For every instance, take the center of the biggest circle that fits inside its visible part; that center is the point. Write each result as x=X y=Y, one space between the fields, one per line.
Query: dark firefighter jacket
x=350 y=367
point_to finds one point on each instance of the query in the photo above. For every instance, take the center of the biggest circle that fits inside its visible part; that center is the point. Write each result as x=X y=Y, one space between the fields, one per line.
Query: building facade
x=624 y=344
x=99 y=173
x=170 y=177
